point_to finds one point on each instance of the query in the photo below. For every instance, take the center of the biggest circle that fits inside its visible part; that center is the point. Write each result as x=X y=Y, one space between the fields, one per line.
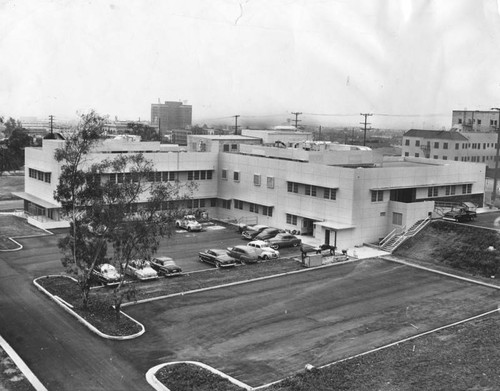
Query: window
x=407 y=154
x=377 y=195
x=226 y=204
x=457 y=145
x=47 y=177
x=417 y=154
x=225 y=148
x=171 y=176
x=479 y=122
x=407 y=142
x=432 y=191
x=202 y=203
x=224 y=174
x=436 y=145
x=236 y=176
x=456 y=158
x=209 y=175
x=467 y=189
x=196 y=175
x=291 y=219
x=313 y=191
x=292 y=187
x=436 y=157
x=270 y=182
x=203 y=175
x=460 y=120
x=234 y=147
x=397 y=218
x=450 y=190
x=417 y=143
x=256 y=179
x=190 y=175
x=330 y=194
x=267 y=211
x=254 y=208
x=445 y=157
x=445 y=145
x=213 y=202
x=308 y=189
x=238 y=204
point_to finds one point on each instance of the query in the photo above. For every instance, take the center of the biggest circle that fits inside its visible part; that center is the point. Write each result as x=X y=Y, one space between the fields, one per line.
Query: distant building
x=475 y=147
x=475 y=120
x=171 y=115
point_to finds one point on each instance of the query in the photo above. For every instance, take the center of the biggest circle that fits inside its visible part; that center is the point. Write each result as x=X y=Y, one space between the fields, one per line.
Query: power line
x=366 y=115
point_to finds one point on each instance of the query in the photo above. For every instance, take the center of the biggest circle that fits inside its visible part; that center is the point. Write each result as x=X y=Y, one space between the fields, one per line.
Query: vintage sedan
x=284 y=240
x=252 y=231
x=217 y=257
x=106 y=274
x=140 y=269
x=188 y=223
x=265 y=252
x=244 y=254
x=268 y=233
x=166 y=266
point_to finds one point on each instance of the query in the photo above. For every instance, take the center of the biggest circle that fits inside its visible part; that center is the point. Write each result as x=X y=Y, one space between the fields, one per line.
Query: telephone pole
x=235 y=124
x=495 y=178
x=366 y=115
x=296 y=114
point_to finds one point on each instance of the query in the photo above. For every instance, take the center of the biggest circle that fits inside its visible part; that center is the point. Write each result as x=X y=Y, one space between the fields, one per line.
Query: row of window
x=161 y=176
x=433 y=191
x=253 y=208
x=40 y=175
x=313 y=191
x=457 y=145
x=470 y=121
x=257 y=178
x=473 y=159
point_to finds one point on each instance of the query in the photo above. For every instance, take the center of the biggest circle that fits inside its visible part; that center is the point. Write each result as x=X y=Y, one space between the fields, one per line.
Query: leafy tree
x=10 y=125
x=147 y=133
x=130 y=213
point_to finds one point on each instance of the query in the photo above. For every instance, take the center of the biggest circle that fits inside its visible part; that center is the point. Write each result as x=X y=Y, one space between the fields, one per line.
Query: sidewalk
x=361 y=252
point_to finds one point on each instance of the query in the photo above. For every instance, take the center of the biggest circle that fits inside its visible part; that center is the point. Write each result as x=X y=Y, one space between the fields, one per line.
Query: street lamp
x=495 y=179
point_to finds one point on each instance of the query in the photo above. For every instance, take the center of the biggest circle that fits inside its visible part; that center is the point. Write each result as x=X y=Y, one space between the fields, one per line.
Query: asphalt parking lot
x=264 y=331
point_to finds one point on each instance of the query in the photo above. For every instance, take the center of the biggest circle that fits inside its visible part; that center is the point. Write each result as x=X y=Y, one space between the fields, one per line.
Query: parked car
x=166 y=266
x=140 y=269
x=465 y=212
x=244 y=254
x=265 y=252
x=217 y=257
x=189 y=223
x=106 y=274
x=284 y=240
x=268 y=233
x=252 y=231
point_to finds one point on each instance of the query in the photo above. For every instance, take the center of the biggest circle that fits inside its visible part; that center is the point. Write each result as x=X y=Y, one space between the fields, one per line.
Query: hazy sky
x=412 y=60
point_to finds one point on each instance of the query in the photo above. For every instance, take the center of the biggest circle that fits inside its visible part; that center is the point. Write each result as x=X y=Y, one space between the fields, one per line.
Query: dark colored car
x=268 y=233
x=284 y=240
x=217 y=257
x=251 y=232
x=106 y=274
x=166 y=266
x=244 y=254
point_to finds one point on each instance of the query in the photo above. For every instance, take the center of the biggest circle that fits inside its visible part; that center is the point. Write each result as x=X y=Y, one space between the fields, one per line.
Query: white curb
x=68 y=308
x=159 y=386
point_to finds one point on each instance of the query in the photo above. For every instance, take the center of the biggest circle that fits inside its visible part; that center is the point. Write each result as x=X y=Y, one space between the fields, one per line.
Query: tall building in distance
x=171 y=115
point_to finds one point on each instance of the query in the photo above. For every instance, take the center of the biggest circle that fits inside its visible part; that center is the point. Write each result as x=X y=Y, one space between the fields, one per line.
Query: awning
x=334 y=225
x=36 y=200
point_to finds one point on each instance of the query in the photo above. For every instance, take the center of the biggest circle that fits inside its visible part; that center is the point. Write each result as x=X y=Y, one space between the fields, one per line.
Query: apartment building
x=339 y=194
x=475 y=120
x=171 y=115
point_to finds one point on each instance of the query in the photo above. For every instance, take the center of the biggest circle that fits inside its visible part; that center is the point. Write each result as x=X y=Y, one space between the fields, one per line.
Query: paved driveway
x=267 y=330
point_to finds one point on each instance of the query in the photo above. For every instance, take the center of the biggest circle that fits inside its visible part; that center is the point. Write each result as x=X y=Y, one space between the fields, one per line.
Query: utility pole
x=366 y=115
x=51 y=124
x=495 y=180
x=296 y=118
x=235 y=124
x=159 y=130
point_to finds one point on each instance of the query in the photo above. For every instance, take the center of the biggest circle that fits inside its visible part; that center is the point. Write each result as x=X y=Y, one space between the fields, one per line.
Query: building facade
x=171 y=115
x=339 y=194
x=474 y=147
x=475 y=120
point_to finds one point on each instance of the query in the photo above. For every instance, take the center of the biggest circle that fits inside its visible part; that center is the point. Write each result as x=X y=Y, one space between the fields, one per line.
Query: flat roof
x=224 y=137
x=35 y=200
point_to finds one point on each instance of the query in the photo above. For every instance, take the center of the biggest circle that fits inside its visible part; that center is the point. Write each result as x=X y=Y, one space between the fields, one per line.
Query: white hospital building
x=340 y=194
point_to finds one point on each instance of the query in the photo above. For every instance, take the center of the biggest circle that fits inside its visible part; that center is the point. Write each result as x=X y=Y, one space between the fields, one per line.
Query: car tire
x=265 y=257
x=275 y=246
x=217 y=265
x=295 y=244
x=189 y=229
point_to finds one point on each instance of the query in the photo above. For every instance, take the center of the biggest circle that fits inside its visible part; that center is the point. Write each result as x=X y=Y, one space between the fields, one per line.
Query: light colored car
x=140 y=269
x=284 y=240
x=265 y=252
x=189 y=223
x=106 y=274
x=166 y=266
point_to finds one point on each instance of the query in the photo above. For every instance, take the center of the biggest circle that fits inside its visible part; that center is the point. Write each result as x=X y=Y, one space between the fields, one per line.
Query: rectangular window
x=407 y=142
x=377 y=195
x=209 y=175
x=432 y=191
x=203 y=175
x=308 y=190
x=226 y=204
x=450 y=190
x=291 y=219
x=407 y=154
x=234 y=147
x=224 y=174
x=445 y=145
x=196 y=175
x=397 y=218
x=313 y=191
x=112 y=178
x=270 y=182
x=202 y=203
x=445 y=157
x=436 y=145
x=457 y=145
x=47 y=177
x=238 y=204
x=467 y=189
x=171 y=176
x=417 y=154
x=225 y=148
x=256 y=179
x=292 y=187
x=236 y=176
x=417 y=143
x=213 y=202
x=436 y=157
x=190 y=175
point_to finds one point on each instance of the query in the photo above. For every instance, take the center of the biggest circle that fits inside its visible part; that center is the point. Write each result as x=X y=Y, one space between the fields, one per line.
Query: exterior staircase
x=398 y=236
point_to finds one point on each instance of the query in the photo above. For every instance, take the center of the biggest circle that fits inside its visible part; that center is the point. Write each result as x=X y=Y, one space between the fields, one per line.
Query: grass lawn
x=11 y=378
x=9 y=184
x=12 y=227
